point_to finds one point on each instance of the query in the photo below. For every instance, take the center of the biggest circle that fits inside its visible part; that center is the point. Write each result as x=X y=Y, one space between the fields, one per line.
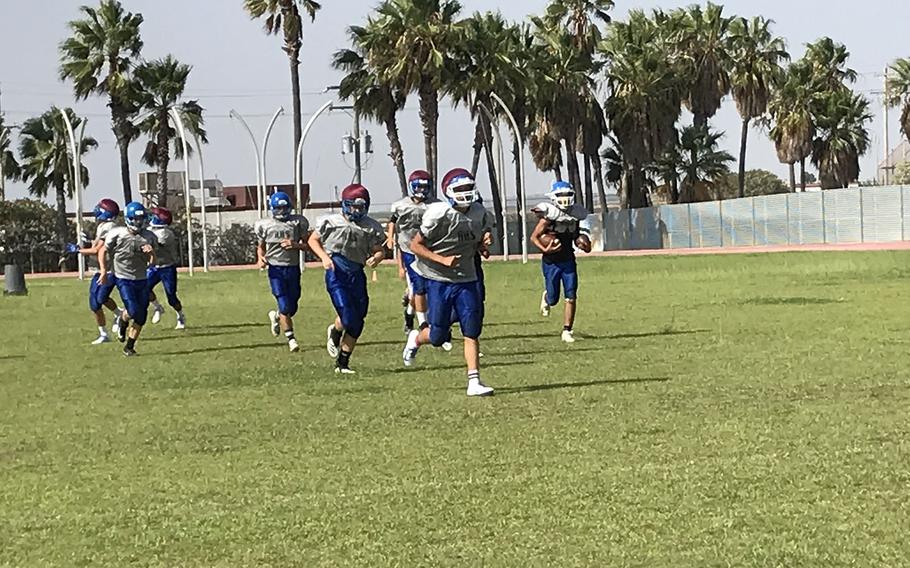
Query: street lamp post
x=500 y=169
x=256 y=157
x=205 y=239
x=4 y=136
x=186 y=186
x=76 y=162
x=522 y=199
x=265 y=152
x=299 y=163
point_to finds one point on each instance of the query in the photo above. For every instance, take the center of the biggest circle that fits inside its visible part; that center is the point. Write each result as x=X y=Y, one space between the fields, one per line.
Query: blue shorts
x=285 y=284
x=135 y=295
x=450 y=302
x=416 y=283
x=347 y=287
x=557 y=273
x=167 y=276
x=98 y=294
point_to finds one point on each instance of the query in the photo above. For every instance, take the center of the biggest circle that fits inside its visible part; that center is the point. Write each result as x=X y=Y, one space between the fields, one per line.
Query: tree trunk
x=572 y=167
x=478 y=146
x=162 y=159
x=429 y=118
x=792 y=178
x=742 y=158
x=61 y=214
x=396 y=152
x=589 y=185
x=634 y=195
x=122 y=131
x=802 y=175
x=674 y=190
x=491 y=169
x=599 y=182
x=293 y=52
x=557 y=171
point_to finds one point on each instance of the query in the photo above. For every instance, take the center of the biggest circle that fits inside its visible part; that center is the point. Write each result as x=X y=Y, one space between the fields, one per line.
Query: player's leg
x=551 y=279
x=169 y=282
x=469 y=306
x=439 y=318
x=570 y=291
x=153 y=275
x=289 y=303
x=334 y=285
x=96 y=304
x=356 y=302
x=135 y=295
x=277 y=287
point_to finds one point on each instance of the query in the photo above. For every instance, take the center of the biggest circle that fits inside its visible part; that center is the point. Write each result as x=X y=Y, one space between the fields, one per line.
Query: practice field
x=716 y=411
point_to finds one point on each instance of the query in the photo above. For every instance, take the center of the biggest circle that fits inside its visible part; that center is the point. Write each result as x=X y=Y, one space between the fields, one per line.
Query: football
x=548 y=238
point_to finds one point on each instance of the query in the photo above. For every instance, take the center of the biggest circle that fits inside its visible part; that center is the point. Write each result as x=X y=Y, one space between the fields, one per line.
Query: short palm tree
x=791 y=109
x=899 y=91
x=372 y=97
x=160 y=85
x=843 y=137
x=702 y=165
x=46 y=163
x=98 y=58
x=756 y=68
x=9 y=167
x=285 y=17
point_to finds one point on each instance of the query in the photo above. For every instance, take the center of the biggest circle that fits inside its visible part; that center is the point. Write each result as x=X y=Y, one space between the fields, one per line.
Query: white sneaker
x=329 y=344
x=156 y=315
x=544 y=306
x=447 y=346
x=181 y=323
x=115 y=327
x=410 y=349
x=567 y=336
x=345 y=371
x=273 y=322
x=477 y=388
x=101 y=339
x=293 y=346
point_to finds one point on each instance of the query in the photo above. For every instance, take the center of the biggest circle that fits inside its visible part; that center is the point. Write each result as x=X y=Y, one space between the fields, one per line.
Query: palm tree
x=756 y=68
x=645 y=90
x=791 y=109
x=827 y=61
x=160 y=85
x=284 y=17
x=372 y=97
x=46 y=163
x=97 y=58
x=843 y=137
x=9 y=167
x=899 y=91
x=419 y=35
x=704 y=40
x=702 y=165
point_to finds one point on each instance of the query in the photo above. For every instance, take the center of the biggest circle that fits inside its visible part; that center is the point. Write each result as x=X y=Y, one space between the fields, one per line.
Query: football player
x=164 y=271
x=281 y=239
x=450 y=236
x=344 y=243
x=404 y=222
x=99 y=295
x=132 y=251
x=565 y=224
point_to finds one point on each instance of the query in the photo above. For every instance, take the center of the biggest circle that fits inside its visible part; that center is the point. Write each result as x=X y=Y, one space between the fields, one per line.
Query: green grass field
x=718 y=411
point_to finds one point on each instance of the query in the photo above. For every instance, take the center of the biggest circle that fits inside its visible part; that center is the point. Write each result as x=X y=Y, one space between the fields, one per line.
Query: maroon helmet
x=161 y=217
x=355 y=202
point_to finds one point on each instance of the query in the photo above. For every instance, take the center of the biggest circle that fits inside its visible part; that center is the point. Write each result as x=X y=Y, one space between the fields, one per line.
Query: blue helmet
x=280 y=204
x=136 y=217
x=355 y=202
x=419 y=184
x=106 y=210
x=562 y=194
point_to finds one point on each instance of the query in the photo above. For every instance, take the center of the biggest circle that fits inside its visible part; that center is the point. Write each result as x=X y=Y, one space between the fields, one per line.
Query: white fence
x=873 y=214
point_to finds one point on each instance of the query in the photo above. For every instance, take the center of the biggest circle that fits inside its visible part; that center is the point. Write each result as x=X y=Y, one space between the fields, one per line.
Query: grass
x=719 y=411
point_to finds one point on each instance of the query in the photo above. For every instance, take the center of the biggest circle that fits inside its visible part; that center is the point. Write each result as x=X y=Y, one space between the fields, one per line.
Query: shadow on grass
x=653 y=333
x=486 y=365
x=788 y=301
x=263 y=324
x=512 y=323
x=223 y=348
x=8 y=357
x=193 y=333
x=561 y=386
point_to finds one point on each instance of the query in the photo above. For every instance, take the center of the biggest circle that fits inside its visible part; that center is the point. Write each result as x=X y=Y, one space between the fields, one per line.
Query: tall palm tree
x=704 y=40
x=160 y=84
x=899 y=91
x=702 y=164
x=420 y=35
x=791 y=109
x=372 y=97
x=580 y=18
x=756 y=68
x=97 y=58
x=285 y=17
x=827 y=61
x=9 y=167
x=46 y=163
x=843 y=137
x=645 y=89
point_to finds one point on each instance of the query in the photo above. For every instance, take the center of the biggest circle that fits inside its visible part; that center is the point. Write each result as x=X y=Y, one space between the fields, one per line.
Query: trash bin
x=15 y=281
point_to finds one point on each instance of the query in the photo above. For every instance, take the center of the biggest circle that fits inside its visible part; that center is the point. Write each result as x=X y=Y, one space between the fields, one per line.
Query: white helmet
x=458 y=187
x=562 y=194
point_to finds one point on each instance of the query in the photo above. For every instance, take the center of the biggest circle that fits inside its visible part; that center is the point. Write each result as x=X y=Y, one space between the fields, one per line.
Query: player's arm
x=390 y=233
x=102 y=263
x=485 y=242
x=583 y=240
x=419 y=248
x=378 y=256
x=93 y=249
x=315 y=244
x=260 y=254
x=542 y=225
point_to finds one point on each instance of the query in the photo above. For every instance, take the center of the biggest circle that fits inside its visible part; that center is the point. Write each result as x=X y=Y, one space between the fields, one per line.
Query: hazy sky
x=236 y=66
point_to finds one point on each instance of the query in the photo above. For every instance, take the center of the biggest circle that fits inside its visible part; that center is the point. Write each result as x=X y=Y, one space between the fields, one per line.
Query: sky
x=237 y=67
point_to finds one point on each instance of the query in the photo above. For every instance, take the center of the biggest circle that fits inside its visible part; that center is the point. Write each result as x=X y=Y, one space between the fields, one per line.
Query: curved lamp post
x=186 y=186
x=265 y=153
x=76 y=162
x=256 y=157
x=298 y=162
x=499 y=167
x=205 y=238
x=522 y=205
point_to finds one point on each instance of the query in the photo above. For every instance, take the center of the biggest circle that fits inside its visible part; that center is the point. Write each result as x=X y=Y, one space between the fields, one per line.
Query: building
x=214 y=192
x=898 y=156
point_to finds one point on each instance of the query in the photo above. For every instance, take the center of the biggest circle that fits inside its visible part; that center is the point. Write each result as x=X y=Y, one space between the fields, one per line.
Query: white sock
x=421 y=318
x=473 y=375
x=102 y=331
x=409 y=310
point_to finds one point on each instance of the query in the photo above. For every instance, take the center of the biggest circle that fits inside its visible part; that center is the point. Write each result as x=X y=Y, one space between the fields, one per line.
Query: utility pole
x=887 y=169
x=357 y=166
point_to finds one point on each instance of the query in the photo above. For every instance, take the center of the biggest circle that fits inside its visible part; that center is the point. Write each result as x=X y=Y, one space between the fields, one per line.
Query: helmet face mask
x=355 y=202
x=562 y=194
x=280 y=205
x=160 y=217
x=419 y=185
x=459 y=188
x=136 y=218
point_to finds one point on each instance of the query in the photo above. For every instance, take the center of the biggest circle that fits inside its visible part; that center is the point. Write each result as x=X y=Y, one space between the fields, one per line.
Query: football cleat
x=410 y=349
x=544 y=306
x=567 y=336
x=293 y=345
x=477 y=388
x=330 y=344
x=339 y=370
x=446 y=346
x=115 y=327
x=101 y=339
x=273 y=323
x=121 y=332
x=156 y=314
x=127 y=352
x=181 y=323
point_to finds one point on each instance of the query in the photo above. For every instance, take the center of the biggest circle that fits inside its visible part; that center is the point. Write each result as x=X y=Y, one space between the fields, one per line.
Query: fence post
x=720 y=215
x=788 y=217
x=752 y=201
x=689 y=224
x=824 y=220
x=862 y=224
x=901 y=190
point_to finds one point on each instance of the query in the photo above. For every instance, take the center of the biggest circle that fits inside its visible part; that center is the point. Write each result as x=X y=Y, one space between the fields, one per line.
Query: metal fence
x=855 y=215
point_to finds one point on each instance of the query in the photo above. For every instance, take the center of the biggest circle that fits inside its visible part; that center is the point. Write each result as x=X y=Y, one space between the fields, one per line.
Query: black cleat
x=408 y=322
x=127 y=352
